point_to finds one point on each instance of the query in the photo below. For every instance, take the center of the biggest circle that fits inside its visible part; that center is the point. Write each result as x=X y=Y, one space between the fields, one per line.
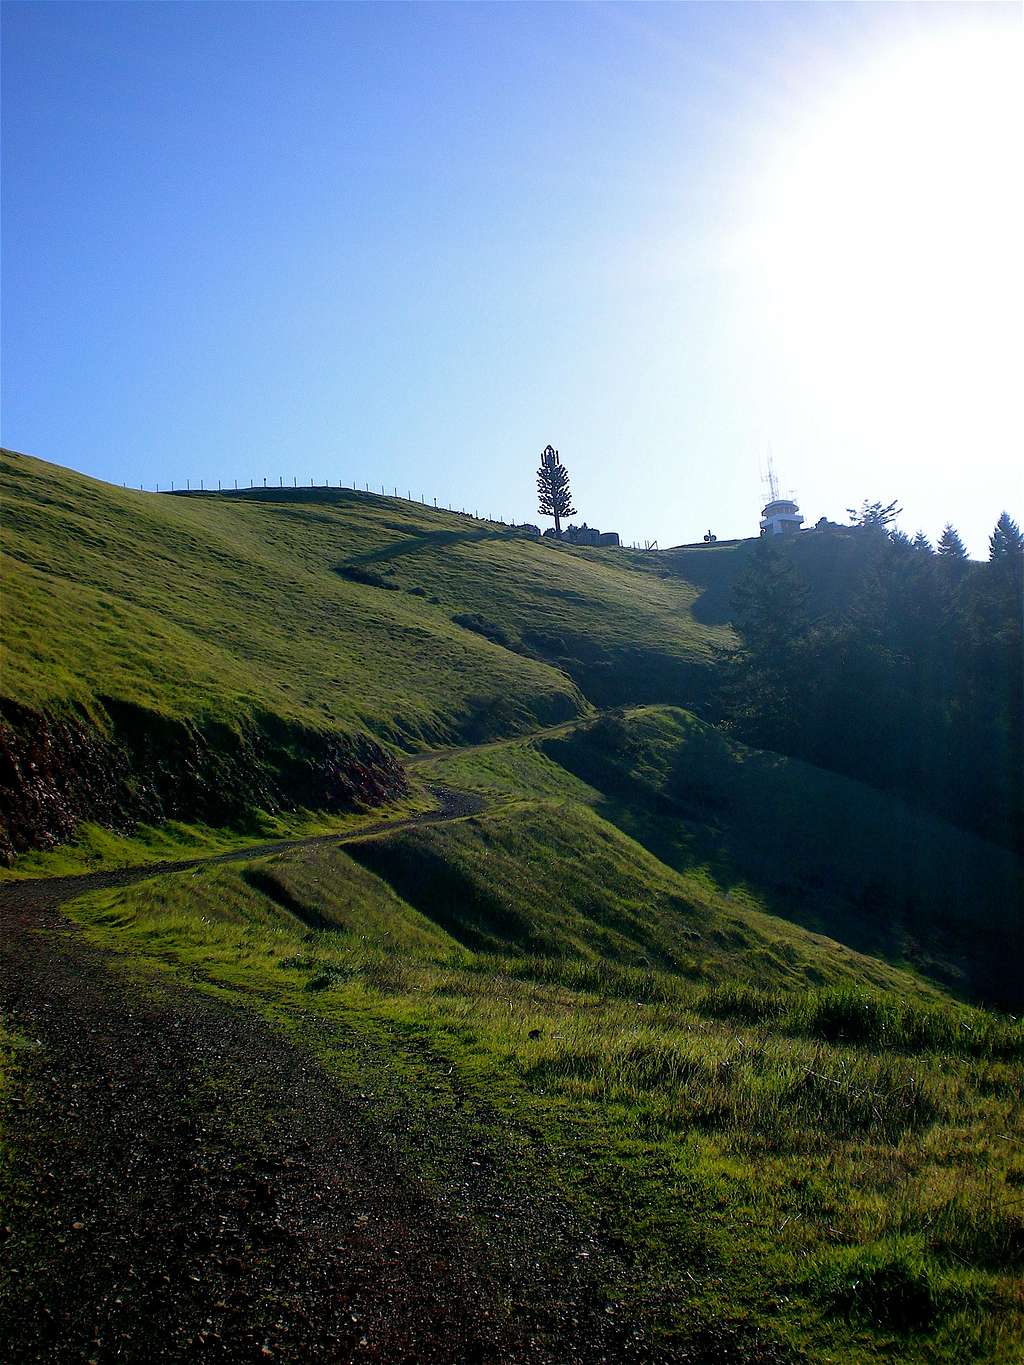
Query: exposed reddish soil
x=58 y=770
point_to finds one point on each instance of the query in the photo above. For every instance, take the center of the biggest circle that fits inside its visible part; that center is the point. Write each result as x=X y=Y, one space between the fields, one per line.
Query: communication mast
x=772 y=480
x=780 y=516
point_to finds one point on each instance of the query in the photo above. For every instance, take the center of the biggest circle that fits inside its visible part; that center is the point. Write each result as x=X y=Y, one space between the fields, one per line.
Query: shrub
x=498 y=635
x=369 y=578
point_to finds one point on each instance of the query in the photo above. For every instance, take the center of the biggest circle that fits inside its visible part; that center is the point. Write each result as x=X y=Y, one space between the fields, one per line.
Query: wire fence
x=364 y=488
x=358 y=488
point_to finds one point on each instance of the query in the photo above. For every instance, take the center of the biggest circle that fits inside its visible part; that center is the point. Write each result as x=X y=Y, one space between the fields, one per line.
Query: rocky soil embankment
x=131 y=765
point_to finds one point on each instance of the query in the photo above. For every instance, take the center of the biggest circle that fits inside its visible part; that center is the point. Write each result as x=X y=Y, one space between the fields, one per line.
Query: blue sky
x=410 y=245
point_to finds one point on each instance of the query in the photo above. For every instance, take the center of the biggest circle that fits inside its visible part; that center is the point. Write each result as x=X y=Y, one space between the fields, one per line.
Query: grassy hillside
x=219 y=606
x=826 y=851
x=205 y=607
x=711 y=997
x=205 y=657
x=833 y=1170
x=773 y=834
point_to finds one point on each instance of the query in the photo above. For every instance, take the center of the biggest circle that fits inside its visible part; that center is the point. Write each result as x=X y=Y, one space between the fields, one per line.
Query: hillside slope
x=271 y=643
x=678 y=1041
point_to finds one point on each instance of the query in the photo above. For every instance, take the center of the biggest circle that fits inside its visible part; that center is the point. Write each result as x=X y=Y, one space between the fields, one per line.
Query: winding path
x=52 y=892
x=186 y=1182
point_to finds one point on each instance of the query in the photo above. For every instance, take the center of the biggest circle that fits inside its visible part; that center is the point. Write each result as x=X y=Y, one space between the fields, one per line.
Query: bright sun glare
x=888 y=242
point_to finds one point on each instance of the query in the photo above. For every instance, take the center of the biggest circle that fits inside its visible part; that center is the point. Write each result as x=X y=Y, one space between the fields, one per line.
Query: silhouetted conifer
x=950 y=543
x=1006 y=539
x=553 y=493
x=874 y=516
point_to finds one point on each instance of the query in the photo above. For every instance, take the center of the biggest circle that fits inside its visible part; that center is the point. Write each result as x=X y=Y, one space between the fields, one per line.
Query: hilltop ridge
x=314 y=626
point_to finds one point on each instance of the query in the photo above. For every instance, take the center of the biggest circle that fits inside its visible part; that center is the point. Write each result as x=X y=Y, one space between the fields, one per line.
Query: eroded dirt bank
x=131 y=764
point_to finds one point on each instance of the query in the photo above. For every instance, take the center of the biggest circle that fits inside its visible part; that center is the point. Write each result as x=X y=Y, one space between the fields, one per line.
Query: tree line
x=914 y=683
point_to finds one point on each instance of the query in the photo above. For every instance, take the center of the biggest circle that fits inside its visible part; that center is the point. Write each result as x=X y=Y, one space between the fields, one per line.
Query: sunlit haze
x=410 y=246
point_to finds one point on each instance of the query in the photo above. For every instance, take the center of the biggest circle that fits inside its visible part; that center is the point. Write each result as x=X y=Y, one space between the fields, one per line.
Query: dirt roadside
x=182 y=1182
x=185 y=1183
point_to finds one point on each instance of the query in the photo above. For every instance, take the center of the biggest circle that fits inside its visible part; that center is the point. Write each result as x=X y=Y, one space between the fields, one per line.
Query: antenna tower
x=773 y=480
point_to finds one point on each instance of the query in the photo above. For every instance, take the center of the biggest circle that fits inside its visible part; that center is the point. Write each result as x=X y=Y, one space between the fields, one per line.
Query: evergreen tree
x=553 y=493
x=767 y=674
x=922 y=543
x=910 y=680
x=874 y=516
x=1006 y=540
x=950 y=544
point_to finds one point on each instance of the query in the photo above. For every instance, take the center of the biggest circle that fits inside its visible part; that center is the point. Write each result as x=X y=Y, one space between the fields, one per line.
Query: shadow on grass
x=825 y=853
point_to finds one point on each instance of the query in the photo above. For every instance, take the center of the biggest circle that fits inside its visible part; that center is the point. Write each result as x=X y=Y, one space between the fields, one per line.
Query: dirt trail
x=452 y=805
x=182 y=1182
x=548 y=732
x=187 y=1183
x=54 y=891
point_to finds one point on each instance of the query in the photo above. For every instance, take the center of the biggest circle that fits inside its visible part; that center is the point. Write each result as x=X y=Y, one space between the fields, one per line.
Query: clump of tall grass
x=976 y=1218
x=594 y=976
x=793 y=1095
x=846 y=1014
x=736 y=1000
x=893 y=1284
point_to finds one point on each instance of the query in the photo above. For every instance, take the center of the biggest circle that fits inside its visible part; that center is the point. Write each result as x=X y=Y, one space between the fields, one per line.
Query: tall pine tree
x=950 y=543
x=553 y=493
x=1006 y=540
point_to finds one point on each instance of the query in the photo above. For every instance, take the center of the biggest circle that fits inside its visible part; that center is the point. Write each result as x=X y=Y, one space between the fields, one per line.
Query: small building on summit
x=781 y=517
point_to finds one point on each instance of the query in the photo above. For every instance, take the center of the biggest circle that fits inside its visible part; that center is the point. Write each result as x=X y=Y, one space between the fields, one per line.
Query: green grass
x=838 y=1168
x=95 y=848
x=825 y=851
x=554 y=880
x=827 y=854
x=712 y=997
x=222 y=607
